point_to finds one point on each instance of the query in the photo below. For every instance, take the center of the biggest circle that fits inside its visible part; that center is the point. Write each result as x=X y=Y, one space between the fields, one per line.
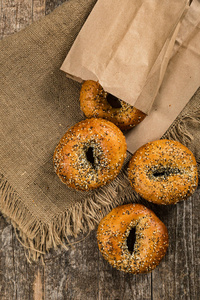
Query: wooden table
x=81 y=272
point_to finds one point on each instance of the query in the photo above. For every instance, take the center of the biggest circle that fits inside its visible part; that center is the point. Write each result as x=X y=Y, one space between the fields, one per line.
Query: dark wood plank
x=15 y=15
x=31 y=274
x=177 y=276
x=7 y=271
x=18 y=278
x=77 y=275
x=52 y=4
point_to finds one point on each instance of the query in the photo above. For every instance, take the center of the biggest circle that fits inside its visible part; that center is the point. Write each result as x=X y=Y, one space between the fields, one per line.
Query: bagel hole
x=131 y=239
x=159 y=173
x=166 y=172
x=113 y=101
x=90 y=155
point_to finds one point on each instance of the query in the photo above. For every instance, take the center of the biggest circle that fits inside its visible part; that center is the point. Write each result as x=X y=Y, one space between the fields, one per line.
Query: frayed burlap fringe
x=179 y=132
x=39 y=238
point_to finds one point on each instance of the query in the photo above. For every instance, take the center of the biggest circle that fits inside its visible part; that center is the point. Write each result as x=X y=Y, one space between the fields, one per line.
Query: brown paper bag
x=126 y=46
x=181 y=80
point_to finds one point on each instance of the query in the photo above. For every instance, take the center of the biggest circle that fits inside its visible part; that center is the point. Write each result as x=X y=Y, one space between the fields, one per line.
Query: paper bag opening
x=126 y=46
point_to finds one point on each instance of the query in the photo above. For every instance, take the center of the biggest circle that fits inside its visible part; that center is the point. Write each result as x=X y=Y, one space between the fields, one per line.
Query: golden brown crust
x=108 y=145
x=163 y=172
x=93 y=102
x=151 y=238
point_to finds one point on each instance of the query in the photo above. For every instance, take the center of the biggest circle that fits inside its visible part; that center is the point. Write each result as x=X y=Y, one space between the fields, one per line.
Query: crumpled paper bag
x=126 y=46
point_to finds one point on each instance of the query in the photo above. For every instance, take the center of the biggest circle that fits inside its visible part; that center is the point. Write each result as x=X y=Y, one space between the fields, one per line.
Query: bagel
x=90 y=154
x=138 y=252
x=163 y=172
x=95 y=102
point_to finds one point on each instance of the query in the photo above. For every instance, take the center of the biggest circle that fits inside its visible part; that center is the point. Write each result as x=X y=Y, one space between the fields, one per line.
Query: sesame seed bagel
x=94 y=102
x=163 y=172
x=90 y=154
x=134 y=253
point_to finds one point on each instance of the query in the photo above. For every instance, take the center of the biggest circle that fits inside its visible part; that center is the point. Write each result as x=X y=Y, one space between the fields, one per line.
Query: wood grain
x=81 y=272
x=52 y=4
x=38 y=9
x=15 y=15
x=177 y=275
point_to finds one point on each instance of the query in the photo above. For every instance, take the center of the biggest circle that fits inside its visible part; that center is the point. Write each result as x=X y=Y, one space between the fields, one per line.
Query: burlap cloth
x=38 y=104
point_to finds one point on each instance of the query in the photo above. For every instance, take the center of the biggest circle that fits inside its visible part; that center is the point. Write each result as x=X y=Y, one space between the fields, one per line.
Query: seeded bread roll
x=132 y=252
x=163 y=172
x=95 y=102
x=90 y=154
